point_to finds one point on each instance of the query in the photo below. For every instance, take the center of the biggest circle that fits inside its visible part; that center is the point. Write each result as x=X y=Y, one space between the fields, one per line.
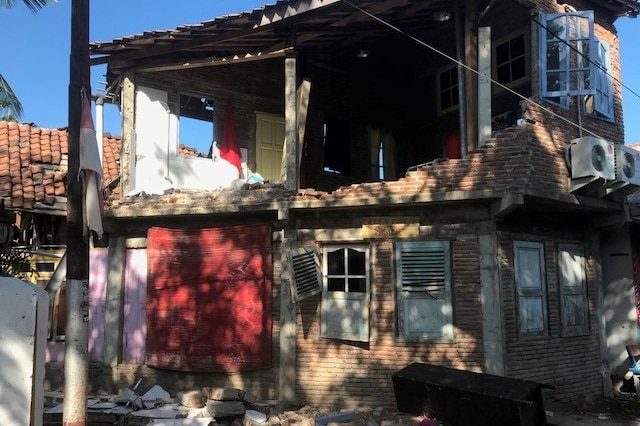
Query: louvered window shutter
x=573 y=290
x=423 y=272
x=305 y=266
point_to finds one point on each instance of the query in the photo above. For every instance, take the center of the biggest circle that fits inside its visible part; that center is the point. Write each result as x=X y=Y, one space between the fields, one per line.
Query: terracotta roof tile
x=34 y=161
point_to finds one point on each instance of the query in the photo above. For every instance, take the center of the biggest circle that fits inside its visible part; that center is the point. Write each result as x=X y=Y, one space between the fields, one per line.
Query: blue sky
x=36 y=47
x=35 y=57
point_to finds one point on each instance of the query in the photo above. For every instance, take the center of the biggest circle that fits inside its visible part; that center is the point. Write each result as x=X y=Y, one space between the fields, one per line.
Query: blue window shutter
x=603 y=81
x=565 y=41
x=573 y=290
x=424 y=283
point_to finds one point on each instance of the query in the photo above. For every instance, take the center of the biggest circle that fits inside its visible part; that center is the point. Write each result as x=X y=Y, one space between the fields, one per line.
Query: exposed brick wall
x=570 y=364
x=344 y=374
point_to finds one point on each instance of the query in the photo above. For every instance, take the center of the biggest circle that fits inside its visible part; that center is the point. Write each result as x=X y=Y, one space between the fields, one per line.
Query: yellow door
x=269 y=145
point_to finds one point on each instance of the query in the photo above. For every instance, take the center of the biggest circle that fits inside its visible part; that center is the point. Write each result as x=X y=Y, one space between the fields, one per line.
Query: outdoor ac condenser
x=627 y=173
x=627 y=165
x=592 y=157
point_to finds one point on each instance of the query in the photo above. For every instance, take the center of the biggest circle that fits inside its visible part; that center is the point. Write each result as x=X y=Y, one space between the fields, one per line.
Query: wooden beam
x=287 y=10
x=157 y=66
x=170 y=47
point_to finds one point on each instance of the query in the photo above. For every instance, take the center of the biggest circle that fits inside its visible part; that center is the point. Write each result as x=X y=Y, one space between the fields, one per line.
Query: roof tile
x=33 y=164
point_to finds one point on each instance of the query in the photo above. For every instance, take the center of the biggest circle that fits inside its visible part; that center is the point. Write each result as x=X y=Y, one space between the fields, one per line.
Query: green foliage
x=10 y=106
x=14 y=262
x=34 y=5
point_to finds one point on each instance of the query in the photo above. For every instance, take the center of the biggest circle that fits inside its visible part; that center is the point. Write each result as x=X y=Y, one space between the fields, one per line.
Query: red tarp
x=209 y=298
x=229 y=148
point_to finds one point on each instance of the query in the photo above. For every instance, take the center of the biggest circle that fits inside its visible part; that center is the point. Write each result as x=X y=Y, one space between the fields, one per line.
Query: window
x=423 y=279
x=305 y=268
x=337 y=146
x=345 y=297
x=600 y=104
x=575 y=63
x=196 y=125
x=565 y=42
x=573 y=290
x=448 y=90
x=511 y=60
x=531 y=283
x=167 y=122
x=382 y=153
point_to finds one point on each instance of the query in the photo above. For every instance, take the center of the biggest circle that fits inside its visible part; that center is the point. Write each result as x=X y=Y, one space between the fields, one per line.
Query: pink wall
x=135 y=284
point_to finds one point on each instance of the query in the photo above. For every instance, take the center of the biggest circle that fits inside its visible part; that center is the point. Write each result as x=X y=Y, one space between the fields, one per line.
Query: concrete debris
x=193 y=399
x=156 y=393
x=167 y=411
x=224 y=394
x=225 y=408
x=228 y=407
x=183 y=422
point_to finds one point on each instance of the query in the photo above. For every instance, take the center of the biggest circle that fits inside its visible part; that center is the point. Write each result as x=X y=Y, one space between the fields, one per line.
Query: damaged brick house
x=418 y=211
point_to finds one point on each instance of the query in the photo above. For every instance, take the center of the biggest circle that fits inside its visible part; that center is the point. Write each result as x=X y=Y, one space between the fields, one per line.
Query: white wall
x=23 y=336
x=158 y=166
x=619 y=298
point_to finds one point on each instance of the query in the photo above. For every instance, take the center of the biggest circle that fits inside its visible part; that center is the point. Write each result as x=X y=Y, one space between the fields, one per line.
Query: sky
x=36 y=47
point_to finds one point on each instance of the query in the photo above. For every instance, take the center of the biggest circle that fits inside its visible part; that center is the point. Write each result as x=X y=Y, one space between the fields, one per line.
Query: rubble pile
x=214 y=406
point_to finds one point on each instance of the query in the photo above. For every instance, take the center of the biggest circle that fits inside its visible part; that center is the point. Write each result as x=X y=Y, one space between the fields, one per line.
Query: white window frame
x=424 y=290
x=526 y=55
x=345 y=314
x=570 y=63
x=453 y=71
x=531 y=289
x=572 y=279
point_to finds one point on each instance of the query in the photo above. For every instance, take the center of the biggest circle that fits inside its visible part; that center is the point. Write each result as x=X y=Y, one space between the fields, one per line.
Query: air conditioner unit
x=627 y=165
x=627 y=173
x=592 y=158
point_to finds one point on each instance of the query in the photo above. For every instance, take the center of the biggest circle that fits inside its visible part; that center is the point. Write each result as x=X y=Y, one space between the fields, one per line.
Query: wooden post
x=471 y=78
x=128 y=150
x=291 y=121
x=287 y=372
x=77 y=290
x=484 y=85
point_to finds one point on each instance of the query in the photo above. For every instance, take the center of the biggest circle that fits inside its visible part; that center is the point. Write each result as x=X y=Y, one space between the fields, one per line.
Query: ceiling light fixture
x=441 y=16
x=362 y=54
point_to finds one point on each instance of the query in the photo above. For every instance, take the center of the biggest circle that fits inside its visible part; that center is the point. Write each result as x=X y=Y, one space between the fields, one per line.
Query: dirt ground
x=622 y=410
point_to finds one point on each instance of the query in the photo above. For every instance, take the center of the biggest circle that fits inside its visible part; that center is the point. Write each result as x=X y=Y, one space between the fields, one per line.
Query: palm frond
x=34 y=5
x=8 y=100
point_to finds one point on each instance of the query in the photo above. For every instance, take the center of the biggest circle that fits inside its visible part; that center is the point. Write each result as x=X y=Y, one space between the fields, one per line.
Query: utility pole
x=77 y=290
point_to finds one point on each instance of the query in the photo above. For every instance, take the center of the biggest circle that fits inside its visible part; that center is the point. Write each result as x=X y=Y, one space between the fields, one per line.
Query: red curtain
x=229 y=148
x=209 y=298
